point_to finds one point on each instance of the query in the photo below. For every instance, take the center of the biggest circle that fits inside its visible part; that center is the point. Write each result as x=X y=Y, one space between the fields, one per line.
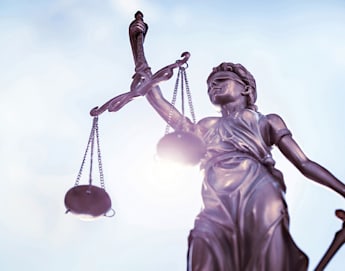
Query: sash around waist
x=207 y=163
x=267 y=161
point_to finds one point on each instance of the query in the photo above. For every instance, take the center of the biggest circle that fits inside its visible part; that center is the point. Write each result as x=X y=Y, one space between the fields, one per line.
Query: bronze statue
x=244 y=223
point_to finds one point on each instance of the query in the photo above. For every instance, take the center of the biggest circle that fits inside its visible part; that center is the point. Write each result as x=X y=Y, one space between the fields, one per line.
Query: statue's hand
x=138 y=26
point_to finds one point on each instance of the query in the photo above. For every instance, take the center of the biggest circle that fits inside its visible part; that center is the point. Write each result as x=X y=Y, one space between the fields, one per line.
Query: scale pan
x=87 y=201
x=182 y=147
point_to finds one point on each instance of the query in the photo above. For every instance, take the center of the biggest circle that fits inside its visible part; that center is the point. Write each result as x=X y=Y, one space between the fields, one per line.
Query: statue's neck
x=232 y=108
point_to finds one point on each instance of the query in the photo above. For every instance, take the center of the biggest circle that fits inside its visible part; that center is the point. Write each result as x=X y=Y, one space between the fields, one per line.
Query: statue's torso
x=246 y=131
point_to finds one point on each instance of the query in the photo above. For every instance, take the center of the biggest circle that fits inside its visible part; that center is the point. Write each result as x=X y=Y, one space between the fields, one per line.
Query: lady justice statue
x=244 y=223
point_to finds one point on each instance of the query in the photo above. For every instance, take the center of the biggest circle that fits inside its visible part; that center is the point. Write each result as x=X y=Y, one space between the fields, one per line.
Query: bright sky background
x=59 y=59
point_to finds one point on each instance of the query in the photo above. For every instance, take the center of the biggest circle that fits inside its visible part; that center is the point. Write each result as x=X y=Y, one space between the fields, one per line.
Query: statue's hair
x=244 y=75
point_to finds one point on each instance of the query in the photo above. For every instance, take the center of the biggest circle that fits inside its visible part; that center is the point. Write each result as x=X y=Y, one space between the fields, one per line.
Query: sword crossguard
x=340 y=214
x=338 y=241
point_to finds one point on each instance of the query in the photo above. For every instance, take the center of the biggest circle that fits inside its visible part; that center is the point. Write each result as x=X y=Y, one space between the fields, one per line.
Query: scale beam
x=143 y=80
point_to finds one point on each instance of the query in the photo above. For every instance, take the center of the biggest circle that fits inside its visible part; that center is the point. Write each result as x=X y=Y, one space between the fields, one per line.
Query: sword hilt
x=338 y=241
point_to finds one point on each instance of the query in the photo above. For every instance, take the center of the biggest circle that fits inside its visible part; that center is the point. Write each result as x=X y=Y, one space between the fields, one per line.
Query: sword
x=338 y=241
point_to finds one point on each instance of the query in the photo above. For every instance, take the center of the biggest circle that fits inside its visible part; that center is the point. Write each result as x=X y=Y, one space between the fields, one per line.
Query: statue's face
x=225 y=87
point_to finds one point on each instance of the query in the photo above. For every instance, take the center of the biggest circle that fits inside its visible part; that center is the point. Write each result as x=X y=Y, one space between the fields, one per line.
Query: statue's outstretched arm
x=296 y=156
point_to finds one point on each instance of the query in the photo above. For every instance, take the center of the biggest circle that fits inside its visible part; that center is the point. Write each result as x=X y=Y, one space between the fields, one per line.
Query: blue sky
x=59 y=59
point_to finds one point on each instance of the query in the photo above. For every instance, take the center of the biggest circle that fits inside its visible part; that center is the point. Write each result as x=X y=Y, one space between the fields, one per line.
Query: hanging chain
x=173 y=101
x=91 y=142
x=189 y=96
x=99 y=156
x=181 y=78
x=94 y=123
x=85 y=154
x=182 y=89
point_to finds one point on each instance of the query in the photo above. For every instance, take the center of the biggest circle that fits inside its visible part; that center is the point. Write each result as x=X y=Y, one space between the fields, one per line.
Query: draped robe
x=244 y=223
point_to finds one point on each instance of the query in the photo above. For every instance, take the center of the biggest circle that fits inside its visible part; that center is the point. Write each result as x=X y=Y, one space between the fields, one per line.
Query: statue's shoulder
x=275 y=121
x=277 y=128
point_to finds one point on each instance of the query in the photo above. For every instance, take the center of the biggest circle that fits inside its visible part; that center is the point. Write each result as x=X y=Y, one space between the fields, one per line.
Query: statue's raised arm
x=137 y=32
x=143 y=80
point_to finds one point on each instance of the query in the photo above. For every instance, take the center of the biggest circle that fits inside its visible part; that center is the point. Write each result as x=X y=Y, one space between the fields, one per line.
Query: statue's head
x=242 y=74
